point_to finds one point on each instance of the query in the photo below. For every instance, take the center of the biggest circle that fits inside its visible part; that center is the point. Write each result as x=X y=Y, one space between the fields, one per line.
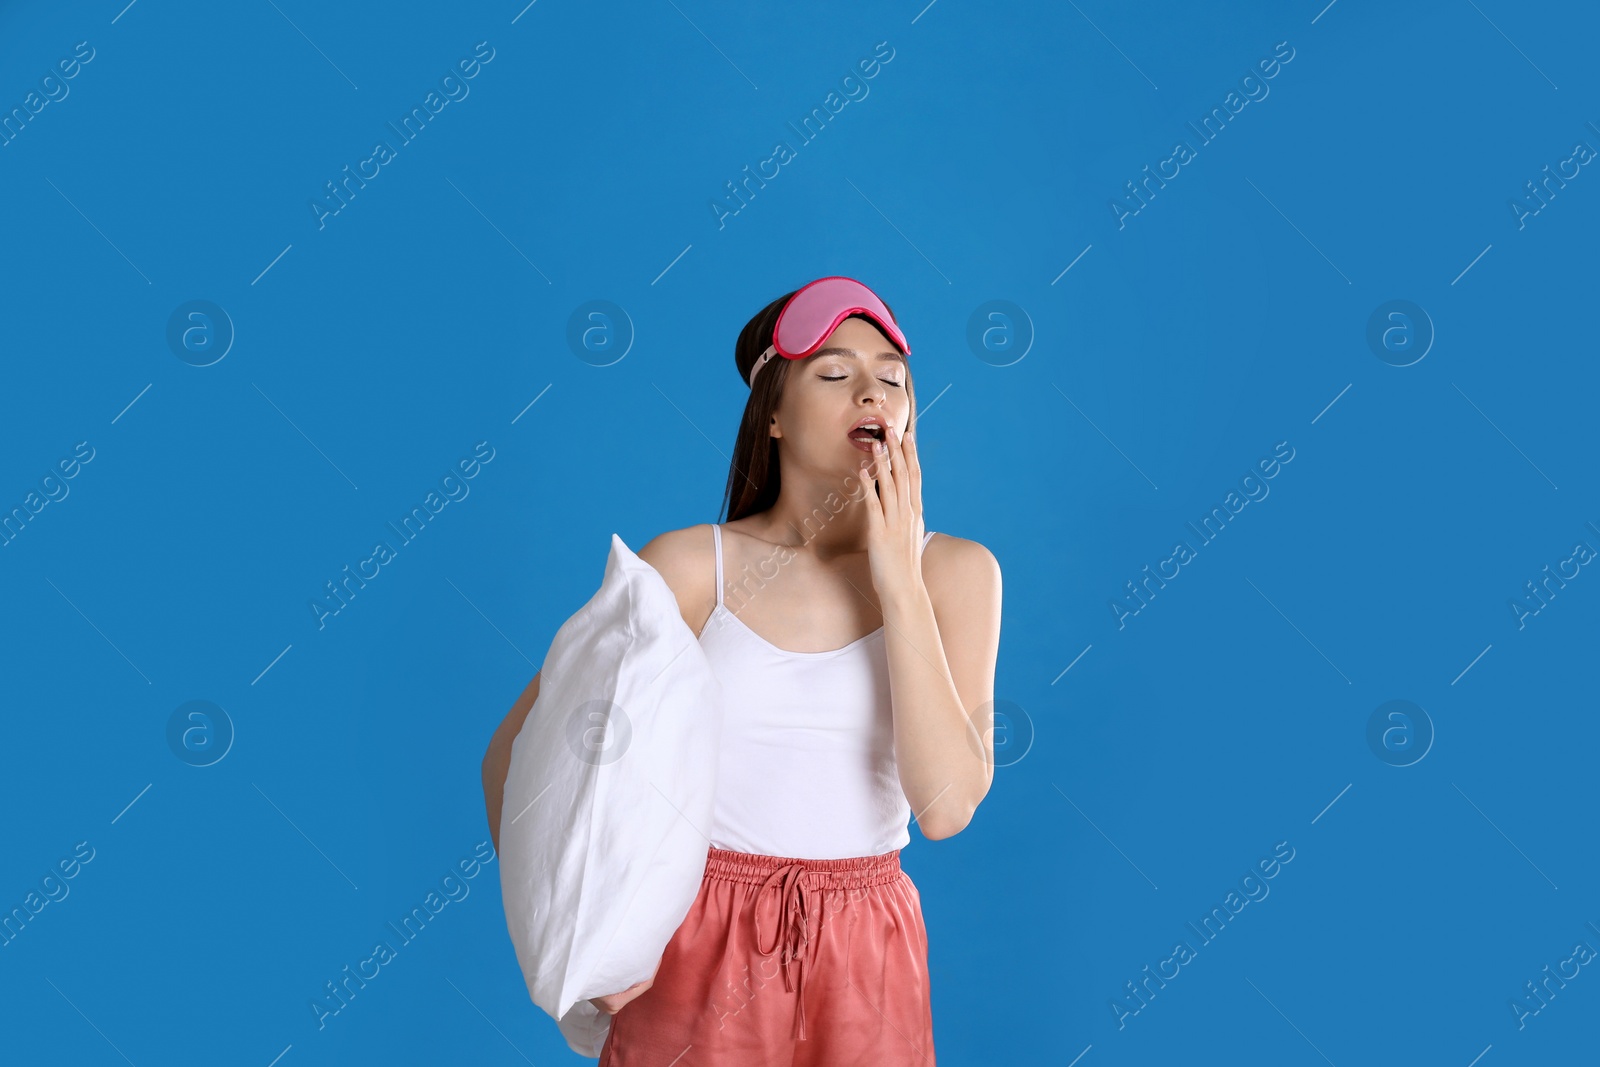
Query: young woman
x=857 y=655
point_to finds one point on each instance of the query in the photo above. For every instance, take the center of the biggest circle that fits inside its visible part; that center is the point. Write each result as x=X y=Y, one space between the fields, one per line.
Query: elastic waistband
x=848 y=873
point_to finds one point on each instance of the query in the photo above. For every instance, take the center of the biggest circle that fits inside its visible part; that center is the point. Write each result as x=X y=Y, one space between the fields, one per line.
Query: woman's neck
x=836 y=526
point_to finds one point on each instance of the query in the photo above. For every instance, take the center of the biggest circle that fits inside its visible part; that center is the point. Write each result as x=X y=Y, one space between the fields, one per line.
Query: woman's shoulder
x=675 y=548
x=951 y=563
x=685 y=562
x=949 y=547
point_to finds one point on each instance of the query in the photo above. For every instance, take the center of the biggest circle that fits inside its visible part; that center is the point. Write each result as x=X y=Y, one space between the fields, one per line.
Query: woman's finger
x=903 y=474
x=913 y=464
x=615 y=1002
x=888 y=480
x=869 y=494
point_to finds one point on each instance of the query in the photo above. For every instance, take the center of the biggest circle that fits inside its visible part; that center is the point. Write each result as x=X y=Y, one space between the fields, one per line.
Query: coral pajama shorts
x=784 y=962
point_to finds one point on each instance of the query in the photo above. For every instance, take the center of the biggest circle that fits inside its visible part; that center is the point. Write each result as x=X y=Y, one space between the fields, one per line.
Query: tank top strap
x=926 y=539
x=716 y=535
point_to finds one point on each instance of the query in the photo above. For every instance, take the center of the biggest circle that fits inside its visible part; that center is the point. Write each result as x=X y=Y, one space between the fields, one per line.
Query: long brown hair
x=754 y=477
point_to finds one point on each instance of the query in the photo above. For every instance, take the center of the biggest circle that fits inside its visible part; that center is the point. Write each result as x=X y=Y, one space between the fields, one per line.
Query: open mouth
x=867 y=437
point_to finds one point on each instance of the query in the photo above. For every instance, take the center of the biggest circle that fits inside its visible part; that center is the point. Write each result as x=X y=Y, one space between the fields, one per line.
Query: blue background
x=1108 y=406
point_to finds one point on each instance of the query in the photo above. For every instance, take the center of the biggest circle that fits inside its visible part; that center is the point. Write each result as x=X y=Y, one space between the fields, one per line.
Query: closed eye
x=841 y=377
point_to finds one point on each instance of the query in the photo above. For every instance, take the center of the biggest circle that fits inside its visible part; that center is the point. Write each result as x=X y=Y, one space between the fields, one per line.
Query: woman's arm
x=942 y=642
x=497 y=761
x=942 y=639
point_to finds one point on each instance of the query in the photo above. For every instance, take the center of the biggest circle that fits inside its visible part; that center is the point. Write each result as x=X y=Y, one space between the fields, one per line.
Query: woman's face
x=857 y=372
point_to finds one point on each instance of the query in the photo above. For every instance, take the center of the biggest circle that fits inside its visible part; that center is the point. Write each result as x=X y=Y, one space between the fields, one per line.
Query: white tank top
x=807 y=769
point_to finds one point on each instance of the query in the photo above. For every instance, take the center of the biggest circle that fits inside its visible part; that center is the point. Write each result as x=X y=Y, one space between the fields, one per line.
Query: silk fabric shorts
x=784 y=962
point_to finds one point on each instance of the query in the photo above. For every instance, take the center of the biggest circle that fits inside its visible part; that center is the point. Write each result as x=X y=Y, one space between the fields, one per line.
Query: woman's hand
x=614 y=1003
x=894 y=514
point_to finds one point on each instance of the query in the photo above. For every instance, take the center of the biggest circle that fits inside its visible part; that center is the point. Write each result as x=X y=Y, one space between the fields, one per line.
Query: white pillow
x=602 y=846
